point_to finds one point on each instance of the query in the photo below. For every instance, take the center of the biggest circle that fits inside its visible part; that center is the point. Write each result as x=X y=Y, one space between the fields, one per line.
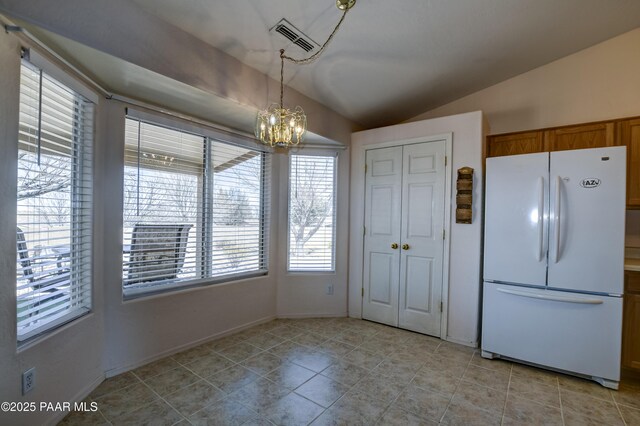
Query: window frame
x=205 y=251
x=321 y=154
x=82 y=173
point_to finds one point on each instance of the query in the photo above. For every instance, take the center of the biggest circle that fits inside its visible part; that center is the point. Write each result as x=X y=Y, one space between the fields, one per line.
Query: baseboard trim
x=296 y=316
x=461 y=342
x=123 y=369
x=85 y=392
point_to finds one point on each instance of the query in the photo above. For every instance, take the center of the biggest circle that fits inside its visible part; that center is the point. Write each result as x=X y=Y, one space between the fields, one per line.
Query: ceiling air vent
x=294 y=35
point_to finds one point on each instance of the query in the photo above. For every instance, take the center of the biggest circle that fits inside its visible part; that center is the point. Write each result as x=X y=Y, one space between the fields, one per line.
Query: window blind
x=311 y=213
x=54 y=203
x=238 y=210
x=194 y=209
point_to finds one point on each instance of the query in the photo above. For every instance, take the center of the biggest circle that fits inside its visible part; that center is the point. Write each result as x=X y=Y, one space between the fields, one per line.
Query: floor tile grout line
x=560 y=399
x=456 y=389
x=624 y=421
x=506 y=398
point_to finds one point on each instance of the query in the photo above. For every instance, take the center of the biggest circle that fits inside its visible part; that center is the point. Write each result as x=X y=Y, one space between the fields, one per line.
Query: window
x=54 y=205
x=311 y=213
x=194 y=209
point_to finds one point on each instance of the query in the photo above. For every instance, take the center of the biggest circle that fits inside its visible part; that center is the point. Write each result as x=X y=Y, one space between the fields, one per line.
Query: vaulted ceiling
x=390 y=61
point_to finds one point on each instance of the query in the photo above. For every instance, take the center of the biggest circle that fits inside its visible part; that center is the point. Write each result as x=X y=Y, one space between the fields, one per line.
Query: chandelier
x=281 y=127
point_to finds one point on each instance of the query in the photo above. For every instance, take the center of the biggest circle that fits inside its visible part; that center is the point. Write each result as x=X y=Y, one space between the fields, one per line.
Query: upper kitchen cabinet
x=584 y=136
x=581 y=136
x=629 y=135
x=515 y=143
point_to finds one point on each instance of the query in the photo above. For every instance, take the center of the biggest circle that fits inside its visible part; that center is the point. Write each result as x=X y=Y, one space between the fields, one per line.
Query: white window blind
x=311 y=213
x=193 y=209
x=238 y=211
x=54 y=203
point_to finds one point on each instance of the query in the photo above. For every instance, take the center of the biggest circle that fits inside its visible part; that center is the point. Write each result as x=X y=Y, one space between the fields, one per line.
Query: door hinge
x=440 y=306
x=364 y=230
x=365 y=168
x=443 y=233
x=445 y=161
x=362 y=291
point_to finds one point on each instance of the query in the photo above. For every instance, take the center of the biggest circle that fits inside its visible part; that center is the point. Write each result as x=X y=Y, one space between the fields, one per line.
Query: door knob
x=394 y=246
x=405 y=247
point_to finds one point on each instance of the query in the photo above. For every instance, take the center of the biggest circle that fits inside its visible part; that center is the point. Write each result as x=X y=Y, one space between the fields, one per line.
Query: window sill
x=25 y=345
x=188 y=286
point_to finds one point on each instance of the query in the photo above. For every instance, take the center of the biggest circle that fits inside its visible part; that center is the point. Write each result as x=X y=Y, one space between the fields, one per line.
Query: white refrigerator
x=554 y=260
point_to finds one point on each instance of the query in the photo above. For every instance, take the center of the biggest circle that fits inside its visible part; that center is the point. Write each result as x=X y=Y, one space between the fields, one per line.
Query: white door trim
x=356 y=227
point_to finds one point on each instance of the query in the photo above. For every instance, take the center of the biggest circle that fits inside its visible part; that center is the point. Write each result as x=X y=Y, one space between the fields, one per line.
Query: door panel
x=586 y=244
x=422 y=226
x=382 y=229
x=381 y=220
x=381 y=268
x=420 y=214
x=516 y=205
x=418 y=298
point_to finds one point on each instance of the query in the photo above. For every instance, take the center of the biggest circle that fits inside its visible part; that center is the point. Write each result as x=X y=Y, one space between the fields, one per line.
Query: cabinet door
x=631 y=332
x=630 y=136
x=581 y=137
x=515 y=144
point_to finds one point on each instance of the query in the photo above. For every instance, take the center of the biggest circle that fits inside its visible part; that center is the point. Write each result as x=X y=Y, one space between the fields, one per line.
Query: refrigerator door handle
x=556 y=218
x=541 y=220
x=566 y=299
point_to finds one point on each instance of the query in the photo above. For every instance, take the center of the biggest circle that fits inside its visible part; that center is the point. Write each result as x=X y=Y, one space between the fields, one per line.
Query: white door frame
x=356 y=240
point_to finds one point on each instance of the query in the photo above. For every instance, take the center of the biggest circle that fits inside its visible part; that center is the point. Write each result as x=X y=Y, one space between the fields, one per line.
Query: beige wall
x=597 y=83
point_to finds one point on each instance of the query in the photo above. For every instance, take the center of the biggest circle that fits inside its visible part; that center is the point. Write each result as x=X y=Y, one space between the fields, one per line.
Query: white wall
x=68 y=362
x=598 y=83
x=465 y=240
x=304 y=294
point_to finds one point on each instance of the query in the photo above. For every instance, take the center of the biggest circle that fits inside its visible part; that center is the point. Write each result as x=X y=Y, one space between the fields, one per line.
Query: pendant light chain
x=281 y=78
x=278 y=126
x=319 y=52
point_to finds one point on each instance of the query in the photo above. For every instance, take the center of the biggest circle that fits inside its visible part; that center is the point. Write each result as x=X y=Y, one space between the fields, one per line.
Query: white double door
x=404 y=236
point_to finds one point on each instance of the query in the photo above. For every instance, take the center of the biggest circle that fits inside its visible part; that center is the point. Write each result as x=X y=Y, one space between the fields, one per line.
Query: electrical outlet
x=28 y=380
x=329 y=289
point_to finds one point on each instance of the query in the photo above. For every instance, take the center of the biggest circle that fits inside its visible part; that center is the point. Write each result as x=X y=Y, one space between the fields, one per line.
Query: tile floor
x=348 y=372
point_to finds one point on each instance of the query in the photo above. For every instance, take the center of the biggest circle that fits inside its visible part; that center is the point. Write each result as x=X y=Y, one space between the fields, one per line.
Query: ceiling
x=390 y=61
x=393 y=60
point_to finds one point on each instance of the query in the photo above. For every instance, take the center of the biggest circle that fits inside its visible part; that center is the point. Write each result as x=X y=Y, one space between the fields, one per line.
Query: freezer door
x=587 y=209
x=516 y=208
x=574 y=332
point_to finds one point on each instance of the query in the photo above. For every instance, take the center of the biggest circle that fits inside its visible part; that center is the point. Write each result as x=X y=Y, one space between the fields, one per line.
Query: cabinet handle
x=405 y=247
x=394 y=246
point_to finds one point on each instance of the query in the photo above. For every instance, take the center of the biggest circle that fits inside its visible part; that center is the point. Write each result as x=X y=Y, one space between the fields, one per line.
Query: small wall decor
x=464 y=196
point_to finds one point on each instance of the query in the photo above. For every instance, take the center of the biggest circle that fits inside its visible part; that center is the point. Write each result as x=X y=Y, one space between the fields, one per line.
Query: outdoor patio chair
x=157 y=252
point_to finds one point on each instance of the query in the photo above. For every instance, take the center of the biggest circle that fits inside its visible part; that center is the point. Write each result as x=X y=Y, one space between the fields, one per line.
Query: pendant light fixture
x=281 y=127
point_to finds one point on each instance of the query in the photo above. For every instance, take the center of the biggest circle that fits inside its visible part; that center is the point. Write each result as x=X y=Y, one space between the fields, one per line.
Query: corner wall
x=303 y=294
x=68 y=361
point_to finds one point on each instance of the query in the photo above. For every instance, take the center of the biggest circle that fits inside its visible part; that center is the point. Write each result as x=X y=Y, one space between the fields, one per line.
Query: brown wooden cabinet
x=629 y=135
x=631 y=325
x=590 y=135
x=580 y=137
x=516 y=143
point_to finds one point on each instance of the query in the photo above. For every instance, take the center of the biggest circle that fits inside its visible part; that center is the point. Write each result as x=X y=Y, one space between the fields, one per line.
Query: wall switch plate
x=329 y=289
x=28 y=380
